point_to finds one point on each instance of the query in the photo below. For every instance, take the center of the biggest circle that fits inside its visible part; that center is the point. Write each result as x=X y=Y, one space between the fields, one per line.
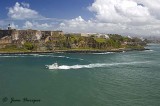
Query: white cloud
x=28 y=25
x=25 y=4
x=22 y=11
x=120 y=11
x=75 y=25
x=93 y=26
x=152 y=5
x=14 y=26
x=80 y=25
x=36 y=25
x=135 y=17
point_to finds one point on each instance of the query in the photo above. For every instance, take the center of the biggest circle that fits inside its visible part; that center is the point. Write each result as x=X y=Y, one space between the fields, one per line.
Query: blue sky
x=129 y=17
x=64 y=9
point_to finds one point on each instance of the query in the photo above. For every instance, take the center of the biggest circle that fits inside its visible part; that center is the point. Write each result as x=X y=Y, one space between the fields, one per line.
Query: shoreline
x=74 y=51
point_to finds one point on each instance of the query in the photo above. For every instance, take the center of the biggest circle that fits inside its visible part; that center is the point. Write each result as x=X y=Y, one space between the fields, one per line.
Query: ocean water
x=102 y=79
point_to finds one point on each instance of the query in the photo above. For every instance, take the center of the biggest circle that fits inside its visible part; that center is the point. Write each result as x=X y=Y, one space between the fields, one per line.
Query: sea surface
x=98 y=79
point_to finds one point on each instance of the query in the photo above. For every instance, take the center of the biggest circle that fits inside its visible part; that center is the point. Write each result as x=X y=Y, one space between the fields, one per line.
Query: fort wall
x=22 y=34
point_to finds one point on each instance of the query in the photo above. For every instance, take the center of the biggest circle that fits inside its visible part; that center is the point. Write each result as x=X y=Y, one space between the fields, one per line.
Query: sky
x=128 y=17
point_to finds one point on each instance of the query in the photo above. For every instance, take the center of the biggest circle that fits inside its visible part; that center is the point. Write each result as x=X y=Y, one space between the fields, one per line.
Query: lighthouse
x=9 y=27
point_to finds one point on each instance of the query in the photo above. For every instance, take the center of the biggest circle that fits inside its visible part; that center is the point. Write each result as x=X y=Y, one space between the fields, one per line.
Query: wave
x=16 y=55
x=149 y=50
x=96 y=65
x=104 y=53
x=10 y=56
x=36 y=55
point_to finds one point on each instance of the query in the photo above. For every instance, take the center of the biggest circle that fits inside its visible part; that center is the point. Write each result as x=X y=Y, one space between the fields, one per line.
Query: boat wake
x=96 y=65
x=36 y=56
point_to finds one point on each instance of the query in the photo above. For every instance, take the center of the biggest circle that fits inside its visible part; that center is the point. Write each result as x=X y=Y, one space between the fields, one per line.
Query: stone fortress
x=10 y=36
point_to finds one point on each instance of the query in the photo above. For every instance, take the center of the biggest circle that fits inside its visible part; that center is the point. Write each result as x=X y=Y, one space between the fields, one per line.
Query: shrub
x=28 y=46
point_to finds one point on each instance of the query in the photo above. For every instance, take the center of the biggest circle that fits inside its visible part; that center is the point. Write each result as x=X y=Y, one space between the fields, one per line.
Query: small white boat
x=55 y=64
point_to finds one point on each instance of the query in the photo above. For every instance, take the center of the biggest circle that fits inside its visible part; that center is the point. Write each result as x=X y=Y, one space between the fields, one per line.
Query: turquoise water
x=109 y=79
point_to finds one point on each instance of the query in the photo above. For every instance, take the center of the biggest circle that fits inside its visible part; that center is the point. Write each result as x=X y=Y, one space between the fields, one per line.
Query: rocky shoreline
x=73 y=51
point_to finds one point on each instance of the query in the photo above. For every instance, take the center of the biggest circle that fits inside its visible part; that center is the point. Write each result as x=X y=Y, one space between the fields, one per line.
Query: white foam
x=60 y=56
x=149 y=50
x=104 y=53
x=11 y=56
x=37 y=55
x=47 y=55
x=18 y=55
x=96 y=65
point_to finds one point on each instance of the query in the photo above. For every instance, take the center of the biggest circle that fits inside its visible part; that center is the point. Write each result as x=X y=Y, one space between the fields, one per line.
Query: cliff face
x=56 y=40
x=6 y=40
